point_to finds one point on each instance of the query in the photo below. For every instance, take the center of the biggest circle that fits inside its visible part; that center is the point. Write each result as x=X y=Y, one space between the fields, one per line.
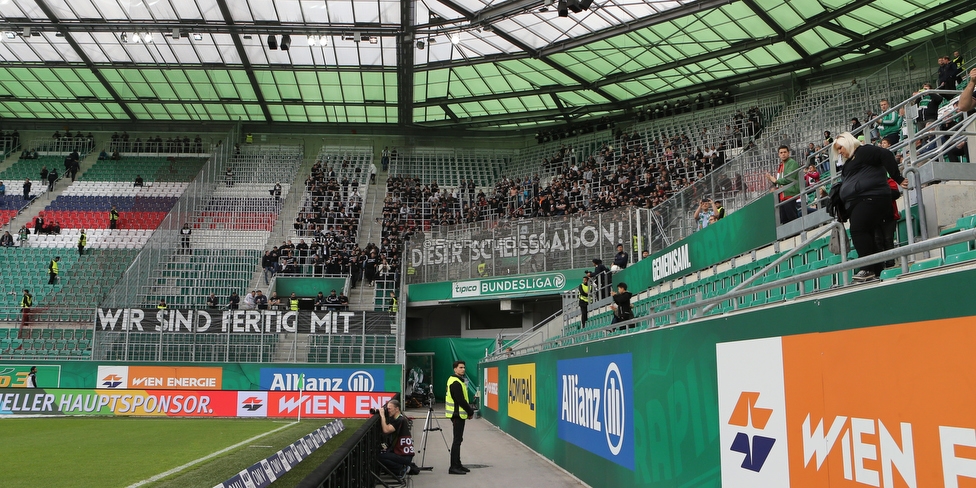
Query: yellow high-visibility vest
x=584 y=295
x=449 y=401
x=293 y=303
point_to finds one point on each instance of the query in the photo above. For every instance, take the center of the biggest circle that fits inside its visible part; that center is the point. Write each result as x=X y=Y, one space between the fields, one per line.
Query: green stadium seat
x=961 y=257
x=890 y=273
x=926 y=264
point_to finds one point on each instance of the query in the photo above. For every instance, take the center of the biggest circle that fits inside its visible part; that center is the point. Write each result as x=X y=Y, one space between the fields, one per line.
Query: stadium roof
x=498 y=64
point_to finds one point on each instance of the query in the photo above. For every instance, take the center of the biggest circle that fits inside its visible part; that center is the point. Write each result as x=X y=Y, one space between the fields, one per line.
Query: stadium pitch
x=123 y=452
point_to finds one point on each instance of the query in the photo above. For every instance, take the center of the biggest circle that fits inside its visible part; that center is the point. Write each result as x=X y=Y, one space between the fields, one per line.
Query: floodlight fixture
x=123 y=38
x=197 y=37
x=10 y=35
x=147 y=37
x=285 y=42
x=456 y=38
x=431 y=41
x=136 y=37
x=374 y=40
x=313 y=40
x=420 y=44
x=272 y=42
x=323 y=41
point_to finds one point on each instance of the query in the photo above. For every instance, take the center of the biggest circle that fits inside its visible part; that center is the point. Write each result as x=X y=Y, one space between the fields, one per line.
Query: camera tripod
x=427 y=428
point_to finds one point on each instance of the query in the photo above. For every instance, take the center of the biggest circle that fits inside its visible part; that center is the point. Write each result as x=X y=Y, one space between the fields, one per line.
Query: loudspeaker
x=272 y=43
x=285 y=42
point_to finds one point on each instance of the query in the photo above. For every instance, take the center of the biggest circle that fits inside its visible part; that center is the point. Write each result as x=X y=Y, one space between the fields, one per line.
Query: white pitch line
x=207 y=457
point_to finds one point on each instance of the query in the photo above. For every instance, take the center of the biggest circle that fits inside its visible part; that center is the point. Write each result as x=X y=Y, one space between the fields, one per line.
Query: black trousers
x=52 y=279
x=458 y=438
x=788 y=211
x=584 y=310
x=395 y=461
x=868 y=217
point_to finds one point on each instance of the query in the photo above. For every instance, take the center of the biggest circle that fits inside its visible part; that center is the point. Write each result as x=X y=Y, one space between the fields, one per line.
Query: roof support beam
x=737 y=47
x=523 y=46
x=405 y=60
x=42 y=4
x=229 y=19
x=780 y=32
x=911 y=24
x=201 y=27
x=450 y=113
x=665 y=16
x=201 y=67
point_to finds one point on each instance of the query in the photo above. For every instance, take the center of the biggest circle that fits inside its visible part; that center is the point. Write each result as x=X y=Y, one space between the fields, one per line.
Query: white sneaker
x=863 y=276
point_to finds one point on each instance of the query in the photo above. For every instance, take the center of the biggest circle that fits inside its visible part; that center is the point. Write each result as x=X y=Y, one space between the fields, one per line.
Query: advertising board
x=184 y=403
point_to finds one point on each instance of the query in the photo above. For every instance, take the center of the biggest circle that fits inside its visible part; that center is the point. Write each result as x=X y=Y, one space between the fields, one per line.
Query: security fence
x=189 y=336
x=508 y=247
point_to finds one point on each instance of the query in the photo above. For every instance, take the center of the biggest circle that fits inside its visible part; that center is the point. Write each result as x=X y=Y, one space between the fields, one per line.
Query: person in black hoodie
x=866 y=194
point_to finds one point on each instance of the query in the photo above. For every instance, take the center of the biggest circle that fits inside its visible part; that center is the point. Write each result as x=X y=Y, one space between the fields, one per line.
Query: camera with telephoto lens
x=376 y=411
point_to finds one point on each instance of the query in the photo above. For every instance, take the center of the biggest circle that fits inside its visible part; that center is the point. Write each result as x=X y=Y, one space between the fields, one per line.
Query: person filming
x=398 y=457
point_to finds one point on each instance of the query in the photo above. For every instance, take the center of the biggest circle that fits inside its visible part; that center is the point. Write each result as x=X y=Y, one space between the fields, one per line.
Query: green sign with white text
x=535 y=284
x=748 y=228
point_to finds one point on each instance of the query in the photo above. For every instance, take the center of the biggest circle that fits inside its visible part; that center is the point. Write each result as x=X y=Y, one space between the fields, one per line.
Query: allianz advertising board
x=319 y=379
x=596 y=406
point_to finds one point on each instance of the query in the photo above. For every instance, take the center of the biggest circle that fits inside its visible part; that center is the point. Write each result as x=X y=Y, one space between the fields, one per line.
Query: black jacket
x=457 y=393
x=866 y=174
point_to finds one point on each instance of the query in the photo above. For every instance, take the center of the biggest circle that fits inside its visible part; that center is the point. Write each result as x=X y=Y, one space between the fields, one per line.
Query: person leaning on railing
x=967 y=99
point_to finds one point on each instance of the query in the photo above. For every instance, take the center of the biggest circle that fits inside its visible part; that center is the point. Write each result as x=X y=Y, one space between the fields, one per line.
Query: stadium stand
x=230 y=228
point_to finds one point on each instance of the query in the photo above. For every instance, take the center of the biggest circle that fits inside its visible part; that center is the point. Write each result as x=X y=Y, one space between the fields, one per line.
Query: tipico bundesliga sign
x=535 y=284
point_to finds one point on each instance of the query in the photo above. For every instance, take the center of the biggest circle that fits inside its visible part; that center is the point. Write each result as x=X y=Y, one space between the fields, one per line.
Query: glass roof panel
x=617 y=46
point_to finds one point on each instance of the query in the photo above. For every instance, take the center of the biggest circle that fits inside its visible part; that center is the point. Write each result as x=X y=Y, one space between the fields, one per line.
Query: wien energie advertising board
x=884 y=406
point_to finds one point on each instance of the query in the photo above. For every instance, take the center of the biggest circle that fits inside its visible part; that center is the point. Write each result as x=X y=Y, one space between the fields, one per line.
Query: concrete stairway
x=371 y=230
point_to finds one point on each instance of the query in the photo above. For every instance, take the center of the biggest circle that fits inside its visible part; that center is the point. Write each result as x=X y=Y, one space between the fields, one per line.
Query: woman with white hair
x=866 y=194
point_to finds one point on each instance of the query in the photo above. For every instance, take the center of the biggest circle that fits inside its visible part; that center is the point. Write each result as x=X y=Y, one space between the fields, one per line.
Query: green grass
x=109 y=452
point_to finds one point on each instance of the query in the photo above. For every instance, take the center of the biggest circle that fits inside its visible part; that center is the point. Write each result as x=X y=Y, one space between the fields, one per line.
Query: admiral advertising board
x=521 y=393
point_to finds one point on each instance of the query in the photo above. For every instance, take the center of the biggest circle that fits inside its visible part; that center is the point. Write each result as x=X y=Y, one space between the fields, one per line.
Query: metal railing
x=688 y=314
x=961 y=127
x=509 y=247
x=165 y=240
x=351 y=465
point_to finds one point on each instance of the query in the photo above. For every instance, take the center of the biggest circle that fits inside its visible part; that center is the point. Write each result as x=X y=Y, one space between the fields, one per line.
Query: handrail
x=525 y=334
x=789 y=254
x=900 y=252
x=351 y=465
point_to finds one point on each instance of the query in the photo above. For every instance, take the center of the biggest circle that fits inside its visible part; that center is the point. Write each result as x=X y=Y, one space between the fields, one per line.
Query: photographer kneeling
x=398 y=456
